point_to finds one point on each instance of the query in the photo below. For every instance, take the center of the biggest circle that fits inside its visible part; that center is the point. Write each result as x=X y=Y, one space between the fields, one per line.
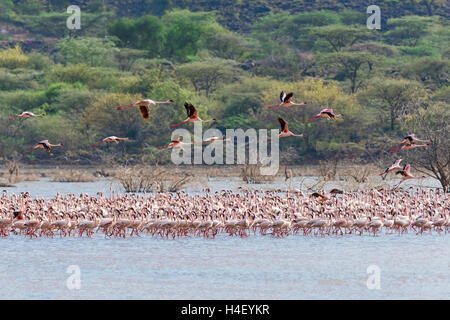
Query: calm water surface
x=296 y=267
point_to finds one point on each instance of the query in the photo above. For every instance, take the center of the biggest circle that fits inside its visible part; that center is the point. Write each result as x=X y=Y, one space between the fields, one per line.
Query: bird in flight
x=326 y=113
x=110 y=139
x=27 y=114
x=285 y=132
x=44 y=144
x=144 y=106
x=176 y=143
x=409 y=142
x=192 y=114
x=286 y=101
x=395 y=167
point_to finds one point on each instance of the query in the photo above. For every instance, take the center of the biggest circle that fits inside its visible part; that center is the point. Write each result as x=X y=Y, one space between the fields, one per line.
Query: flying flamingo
x=405 y=173
x=409 y=140
x=192 y=115
x=44 y=144
x=110 y=139
x=215 y=139
x=286 y=101
x=144 y=106
x=27 y=114
x=176 y=143
x=326 y=113
x=285 y=130
x=409 y=146
x=396 y=166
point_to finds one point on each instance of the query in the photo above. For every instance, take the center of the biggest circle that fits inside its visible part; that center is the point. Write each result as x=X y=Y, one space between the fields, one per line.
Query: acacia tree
x=339 y=36
x=207 y=75
x=395 y=97
x=432 y=123
x=347 y=65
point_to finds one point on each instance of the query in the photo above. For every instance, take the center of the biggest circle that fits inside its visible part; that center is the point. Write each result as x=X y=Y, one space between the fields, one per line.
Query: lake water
x=258 y=267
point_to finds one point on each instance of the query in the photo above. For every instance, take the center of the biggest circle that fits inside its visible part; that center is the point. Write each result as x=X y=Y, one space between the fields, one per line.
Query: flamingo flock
x=241 y=214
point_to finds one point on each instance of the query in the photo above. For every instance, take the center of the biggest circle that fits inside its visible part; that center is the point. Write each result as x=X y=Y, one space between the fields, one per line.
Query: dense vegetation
x=382 y=81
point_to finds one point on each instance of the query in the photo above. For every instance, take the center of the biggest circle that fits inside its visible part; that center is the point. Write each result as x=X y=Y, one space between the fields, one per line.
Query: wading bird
x=192 y=114
x=27 y=114
x=144 y=106
x=44 y=144
x=110 y=139
x=286 y=101
x=396 y=166
x=285 y=130
x=326 y=113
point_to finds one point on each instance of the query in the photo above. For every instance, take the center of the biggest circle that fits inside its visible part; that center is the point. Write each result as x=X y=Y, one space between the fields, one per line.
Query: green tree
x=407 y=30
x=93 y=51
x=207 y=75
x=339 y=36
x=146 y=33
x=347 y=65
x=187 y=32
x=394 y=97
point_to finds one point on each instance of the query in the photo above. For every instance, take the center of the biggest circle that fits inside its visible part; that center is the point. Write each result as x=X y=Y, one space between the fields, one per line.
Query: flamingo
x=285 y=130
x=176 y=143
x=405 y=173
x=192 y=115
x=326 y=113
x=286 y=101
x=409 y=146
x=215 y=139
x=411 y=139
x=110 y=139
x=27 y=114
x=44 y=144
x=144 y=106
x=395 y=167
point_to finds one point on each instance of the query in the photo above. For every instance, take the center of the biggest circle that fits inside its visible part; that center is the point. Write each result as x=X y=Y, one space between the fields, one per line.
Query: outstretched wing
x=190 y=109
x=282 y=96
x=288 y=97
x=283 y=123
x=145 y=112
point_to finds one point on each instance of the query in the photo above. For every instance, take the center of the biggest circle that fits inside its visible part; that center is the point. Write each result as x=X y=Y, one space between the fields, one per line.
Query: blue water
x=296 y=267
x=258 y=267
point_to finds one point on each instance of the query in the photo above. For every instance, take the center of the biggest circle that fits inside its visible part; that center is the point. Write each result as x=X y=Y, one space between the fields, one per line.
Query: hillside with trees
x=231 y=59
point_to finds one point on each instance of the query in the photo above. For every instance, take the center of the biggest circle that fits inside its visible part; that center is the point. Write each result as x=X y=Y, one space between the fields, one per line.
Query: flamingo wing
x=283 y=123
x=190 y=109
x=288 y=97
x=145 y=111
x=282 y=96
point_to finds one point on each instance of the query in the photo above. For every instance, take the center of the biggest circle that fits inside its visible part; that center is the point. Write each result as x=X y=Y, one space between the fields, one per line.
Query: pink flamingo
x=110 y=139
x=44 y=144
x=395 y=167
x=326 y=113
x=144 y=106
x=285 y=130
x=27 y=114
x=286 y=101
x=192 y=114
